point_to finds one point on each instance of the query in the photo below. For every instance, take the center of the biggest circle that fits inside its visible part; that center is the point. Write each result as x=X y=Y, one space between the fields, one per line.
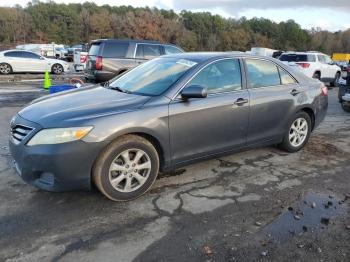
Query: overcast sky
x=326 y=14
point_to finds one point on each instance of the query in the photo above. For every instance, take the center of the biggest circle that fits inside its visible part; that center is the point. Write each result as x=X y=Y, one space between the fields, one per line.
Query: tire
x=317 y=75
x=345 y=107
x=57 y=69
x=287 y=143
x=5 y=69
x=336 y=80
x=114 y=170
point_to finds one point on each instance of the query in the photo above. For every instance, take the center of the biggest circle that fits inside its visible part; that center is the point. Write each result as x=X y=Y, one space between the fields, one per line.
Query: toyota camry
x=161 y=115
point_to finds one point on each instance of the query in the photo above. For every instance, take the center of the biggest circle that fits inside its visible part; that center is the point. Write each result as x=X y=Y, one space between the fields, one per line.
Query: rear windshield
x=94 y=49
x=116 y=50
x=297 y=58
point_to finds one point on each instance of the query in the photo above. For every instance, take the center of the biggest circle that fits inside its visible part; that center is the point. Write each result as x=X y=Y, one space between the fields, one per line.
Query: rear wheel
x=5 y=69
x=57 y=69
x=317 y=75
x=298 y=133
x=126 y=169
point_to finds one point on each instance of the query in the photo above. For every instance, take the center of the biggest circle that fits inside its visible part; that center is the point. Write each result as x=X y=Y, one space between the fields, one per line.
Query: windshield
x=154 y=77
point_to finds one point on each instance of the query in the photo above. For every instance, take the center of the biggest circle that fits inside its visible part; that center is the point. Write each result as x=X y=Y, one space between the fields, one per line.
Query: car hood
x=65 y=108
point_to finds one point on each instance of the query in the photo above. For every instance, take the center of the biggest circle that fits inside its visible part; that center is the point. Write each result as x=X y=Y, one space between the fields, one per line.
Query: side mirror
x=194 y=91
x=42 y=58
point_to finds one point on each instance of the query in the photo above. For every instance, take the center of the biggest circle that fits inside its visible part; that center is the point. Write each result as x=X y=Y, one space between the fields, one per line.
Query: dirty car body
x=182 y=130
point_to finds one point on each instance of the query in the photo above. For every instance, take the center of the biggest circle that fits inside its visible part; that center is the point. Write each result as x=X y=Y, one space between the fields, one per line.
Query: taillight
x=98 y=64
x=324 y=90
x=304 y=65
x=83 y=59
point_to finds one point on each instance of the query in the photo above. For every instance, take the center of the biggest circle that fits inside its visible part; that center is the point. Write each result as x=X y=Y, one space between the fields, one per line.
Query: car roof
x=125 y=40
x=16 y=50
x=302 y=53
x=203 y=56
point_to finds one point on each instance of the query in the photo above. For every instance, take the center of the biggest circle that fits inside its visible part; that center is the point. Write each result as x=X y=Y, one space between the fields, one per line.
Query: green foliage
x=74 y=23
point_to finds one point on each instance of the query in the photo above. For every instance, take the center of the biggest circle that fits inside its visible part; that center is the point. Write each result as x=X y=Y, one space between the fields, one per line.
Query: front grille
x=19 y=132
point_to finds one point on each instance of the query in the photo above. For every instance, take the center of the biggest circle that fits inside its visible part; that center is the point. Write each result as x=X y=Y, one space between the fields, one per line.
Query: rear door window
x=262 y=73
x=31 y=55
x=286 y=79
x=115 y=50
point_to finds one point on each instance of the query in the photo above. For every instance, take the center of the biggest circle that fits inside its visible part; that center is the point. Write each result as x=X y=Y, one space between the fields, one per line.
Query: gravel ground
x=257 y=205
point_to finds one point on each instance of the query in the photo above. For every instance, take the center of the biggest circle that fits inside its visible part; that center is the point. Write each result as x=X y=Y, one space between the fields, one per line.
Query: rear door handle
x=241 y=101
x=294 y=92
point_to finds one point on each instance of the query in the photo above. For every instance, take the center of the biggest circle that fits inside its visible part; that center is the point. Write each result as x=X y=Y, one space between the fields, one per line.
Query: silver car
x=18 y=61
x=163 y=114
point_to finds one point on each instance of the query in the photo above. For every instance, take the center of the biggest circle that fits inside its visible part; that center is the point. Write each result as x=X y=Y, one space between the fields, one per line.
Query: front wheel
x=57 y=69
x=298 y=133
x=126 y=169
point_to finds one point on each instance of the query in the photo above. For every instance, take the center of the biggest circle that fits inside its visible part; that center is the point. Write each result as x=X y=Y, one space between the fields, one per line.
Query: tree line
x=202 y=31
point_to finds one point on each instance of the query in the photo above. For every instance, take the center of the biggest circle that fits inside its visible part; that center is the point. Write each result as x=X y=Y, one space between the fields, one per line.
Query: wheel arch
x=155 y=140
x=311 y=113
x=318 y=71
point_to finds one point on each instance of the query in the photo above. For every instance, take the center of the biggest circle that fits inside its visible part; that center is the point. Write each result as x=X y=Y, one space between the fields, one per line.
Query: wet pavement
x=257 y=205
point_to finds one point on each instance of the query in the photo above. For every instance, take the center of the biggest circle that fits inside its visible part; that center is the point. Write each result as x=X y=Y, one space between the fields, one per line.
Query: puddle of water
x=313 y=213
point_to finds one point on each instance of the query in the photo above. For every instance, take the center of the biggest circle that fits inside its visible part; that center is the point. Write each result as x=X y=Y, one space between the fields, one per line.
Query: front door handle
x=294 y=92
x=241 y=101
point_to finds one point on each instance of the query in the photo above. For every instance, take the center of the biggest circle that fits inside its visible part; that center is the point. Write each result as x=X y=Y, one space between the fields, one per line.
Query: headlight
x=52 y=136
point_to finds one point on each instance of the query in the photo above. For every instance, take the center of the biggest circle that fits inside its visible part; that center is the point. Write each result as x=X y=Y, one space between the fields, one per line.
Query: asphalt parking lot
x=258 y=205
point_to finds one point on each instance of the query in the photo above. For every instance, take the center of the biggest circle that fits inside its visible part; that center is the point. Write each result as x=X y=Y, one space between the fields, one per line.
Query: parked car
x=74 y=48
x=61 y=53
x=14 y=61
x=314 y=64
x=79 y=61
x=110 y=57
x=161 y=115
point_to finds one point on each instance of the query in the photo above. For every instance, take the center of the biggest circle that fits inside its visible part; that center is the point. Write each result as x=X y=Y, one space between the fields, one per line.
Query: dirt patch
x=319 y=147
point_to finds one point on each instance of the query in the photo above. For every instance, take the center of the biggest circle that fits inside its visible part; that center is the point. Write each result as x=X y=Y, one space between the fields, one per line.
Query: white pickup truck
x=79 y=60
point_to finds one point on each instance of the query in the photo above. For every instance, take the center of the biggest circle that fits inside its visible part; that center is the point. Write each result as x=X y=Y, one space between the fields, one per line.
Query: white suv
x=314 y=64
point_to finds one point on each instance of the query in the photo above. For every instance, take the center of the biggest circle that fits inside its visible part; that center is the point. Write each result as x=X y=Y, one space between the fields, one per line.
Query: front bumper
x=60 y=167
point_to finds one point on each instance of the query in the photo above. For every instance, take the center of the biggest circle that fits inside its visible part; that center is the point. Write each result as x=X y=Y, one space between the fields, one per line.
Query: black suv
x=110 y=57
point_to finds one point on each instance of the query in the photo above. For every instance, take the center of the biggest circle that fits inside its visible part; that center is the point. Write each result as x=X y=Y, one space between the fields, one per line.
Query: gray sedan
x=164 y=114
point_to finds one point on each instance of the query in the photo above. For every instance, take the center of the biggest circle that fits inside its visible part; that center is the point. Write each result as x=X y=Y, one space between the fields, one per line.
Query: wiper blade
x=119 y=89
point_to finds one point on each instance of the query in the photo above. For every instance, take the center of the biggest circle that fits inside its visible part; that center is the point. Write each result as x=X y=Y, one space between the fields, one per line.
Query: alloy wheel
x=298 y=132
x=57 y=69
x=130 y=170
x=5 y=69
